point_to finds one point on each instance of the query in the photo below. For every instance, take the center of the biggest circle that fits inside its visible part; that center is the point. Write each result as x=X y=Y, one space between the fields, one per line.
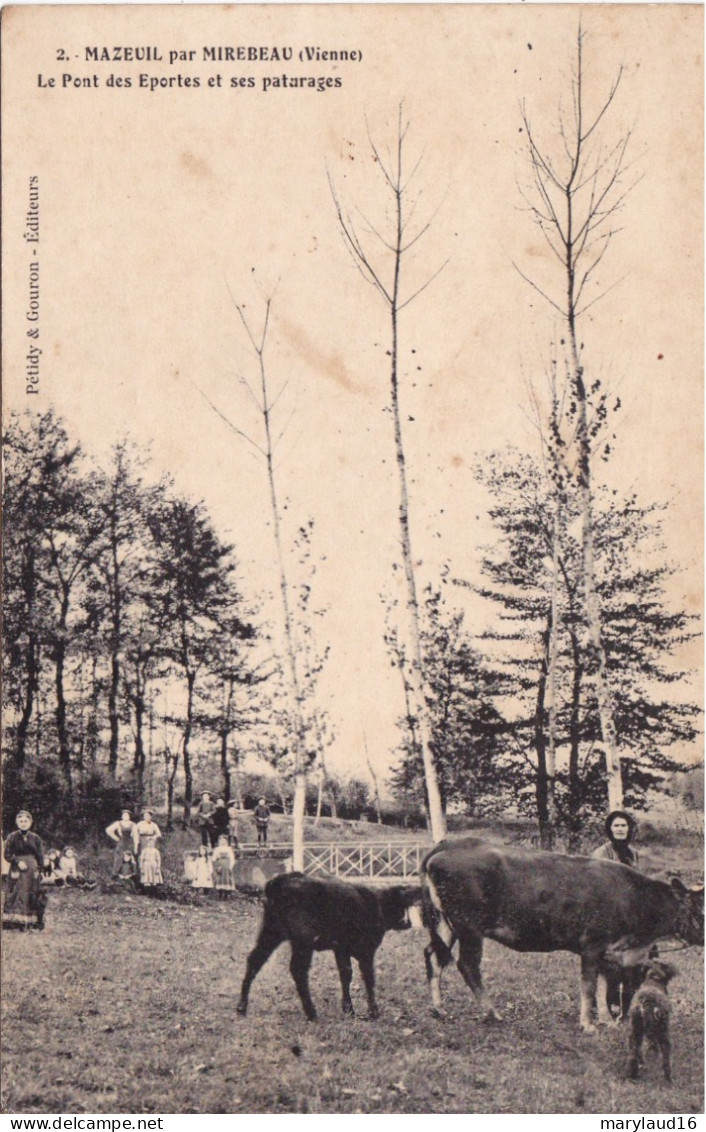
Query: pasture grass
x=126 y=1004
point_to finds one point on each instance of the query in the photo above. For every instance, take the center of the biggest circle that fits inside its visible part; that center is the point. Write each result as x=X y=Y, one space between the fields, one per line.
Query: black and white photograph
x=352 y=571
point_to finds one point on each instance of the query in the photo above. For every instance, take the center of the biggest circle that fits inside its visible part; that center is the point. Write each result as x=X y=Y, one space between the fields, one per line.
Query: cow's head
x=690 y=914
x=655 y=971
x=396 y=904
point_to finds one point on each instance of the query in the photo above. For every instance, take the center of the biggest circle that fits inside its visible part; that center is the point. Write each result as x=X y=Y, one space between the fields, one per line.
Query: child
x=68 y=866
x=261 y=813
x=128 y=870
x=223 y=865
x=203 y=870
x=49 y=871
x=55 y=873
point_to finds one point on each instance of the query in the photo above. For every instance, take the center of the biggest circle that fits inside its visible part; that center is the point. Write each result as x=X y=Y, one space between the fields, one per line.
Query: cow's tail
x=438 y=952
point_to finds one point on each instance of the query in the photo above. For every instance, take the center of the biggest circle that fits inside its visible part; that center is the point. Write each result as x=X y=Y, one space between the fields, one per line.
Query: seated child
x=68 y=866
x=128 y=869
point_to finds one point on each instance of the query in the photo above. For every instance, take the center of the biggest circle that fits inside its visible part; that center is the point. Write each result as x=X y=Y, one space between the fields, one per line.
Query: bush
x=60 y=818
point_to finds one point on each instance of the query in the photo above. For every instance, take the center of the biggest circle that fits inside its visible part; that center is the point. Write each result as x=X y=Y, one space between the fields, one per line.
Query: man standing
x=204 y=814
x=262 y=820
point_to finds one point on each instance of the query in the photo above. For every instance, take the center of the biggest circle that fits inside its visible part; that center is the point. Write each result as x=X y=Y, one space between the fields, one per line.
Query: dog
x=649 y=1015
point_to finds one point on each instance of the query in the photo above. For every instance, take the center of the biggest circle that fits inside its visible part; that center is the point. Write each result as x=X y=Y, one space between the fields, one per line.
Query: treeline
x=126 y=635
x=514 y=711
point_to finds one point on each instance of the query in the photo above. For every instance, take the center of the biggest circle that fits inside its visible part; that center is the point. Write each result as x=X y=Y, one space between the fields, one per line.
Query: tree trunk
x=320 y=794
x=31 y=657
x=225 y=769
x=113 y=714
x=172 y=761
x=138 y=762
x=416 y=671
x=593 y=617
x=552 y=662
x=298 y=737
x=60 y=715
x=186 y=753
x=546 y=832
x=575 y=797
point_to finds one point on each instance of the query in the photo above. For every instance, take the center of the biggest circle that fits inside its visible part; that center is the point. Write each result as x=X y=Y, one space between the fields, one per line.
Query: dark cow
x=327 y=915
x=535 y=901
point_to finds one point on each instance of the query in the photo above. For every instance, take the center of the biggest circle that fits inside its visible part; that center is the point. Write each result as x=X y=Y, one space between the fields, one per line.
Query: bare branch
x=602 y=295
x=355 y=247
x=538 y=290
x=430 y=280
x=239 y=432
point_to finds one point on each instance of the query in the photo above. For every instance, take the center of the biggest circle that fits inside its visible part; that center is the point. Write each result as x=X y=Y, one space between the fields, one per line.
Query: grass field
x=127 y=1004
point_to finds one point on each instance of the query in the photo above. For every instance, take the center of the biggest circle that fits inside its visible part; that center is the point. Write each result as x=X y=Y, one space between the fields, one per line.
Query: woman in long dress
x=203 y=870
x=223 y=866
x=124 y=834
x=25 y=902
x=149 y=859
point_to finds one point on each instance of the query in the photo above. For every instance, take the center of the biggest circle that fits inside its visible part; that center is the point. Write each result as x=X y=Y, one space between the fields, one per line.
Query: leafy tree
x=48 y=515
x=120 y=580
x=642 y=633
x=577 y=185
x=193 y=595
x=470 y=741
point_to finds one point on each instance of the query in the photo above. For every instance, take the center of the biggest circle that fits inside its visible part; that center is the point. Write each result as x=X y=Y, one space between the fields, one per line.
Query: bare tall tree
x=266 y=402
x=577 y=187
x=388 y=282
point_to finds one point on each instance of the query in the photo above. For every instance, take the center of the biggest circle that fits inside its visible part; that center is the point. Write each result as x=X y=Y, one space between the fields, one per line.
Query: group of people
x=31 y=871
x=60 y=868
x=214 y=868
x=216 y=820
x=136 y=858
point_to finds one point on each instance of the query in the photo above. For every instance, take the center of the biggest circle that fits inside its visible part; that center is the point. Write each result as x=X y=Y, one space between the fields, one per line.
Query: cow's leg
x=589 y=976
x=604 y=1016
x=367 y=970
x=345 y=971
x=299 y=966
x=267 y=941
x=469 y=959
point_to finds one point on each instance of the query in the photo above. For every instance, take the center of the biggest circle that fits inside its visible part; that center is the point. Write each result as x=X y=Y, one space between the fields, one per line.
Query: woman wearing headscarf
x=25 y=902
x=620 y=830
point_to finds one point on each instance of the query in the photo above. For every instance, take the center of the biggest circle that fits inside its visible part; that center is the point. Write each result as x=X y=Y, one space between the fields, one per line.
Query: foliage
x=115 y=590
x=642 y=633
x=471 y=743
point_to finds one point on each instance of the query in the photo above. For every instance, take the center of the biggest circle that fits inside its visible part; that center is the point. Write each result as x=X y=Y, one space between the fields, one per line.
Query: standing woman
x=124 y=834
x=149 y=859
x=619 y=985
x=25 y=902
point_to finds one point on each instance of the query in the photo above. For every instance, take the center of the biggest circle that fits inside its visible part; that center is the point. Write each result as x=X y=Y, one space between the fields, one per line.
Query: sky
x=162 y=210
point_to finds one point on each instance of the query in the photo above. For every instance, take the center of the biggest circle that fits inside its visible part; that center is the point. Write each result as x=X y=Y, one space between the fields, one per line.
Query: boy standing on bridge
x=262 y=820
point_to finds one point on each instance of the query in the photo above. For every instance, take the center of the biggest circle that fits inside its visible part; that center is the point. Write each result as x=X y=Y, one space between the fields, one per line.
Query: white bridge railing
x=372 y=860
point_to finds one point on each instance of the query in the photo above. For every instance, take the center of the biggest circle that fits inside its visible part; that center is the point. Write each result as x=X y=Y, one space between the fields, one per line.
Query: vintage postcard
x=352 y=365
